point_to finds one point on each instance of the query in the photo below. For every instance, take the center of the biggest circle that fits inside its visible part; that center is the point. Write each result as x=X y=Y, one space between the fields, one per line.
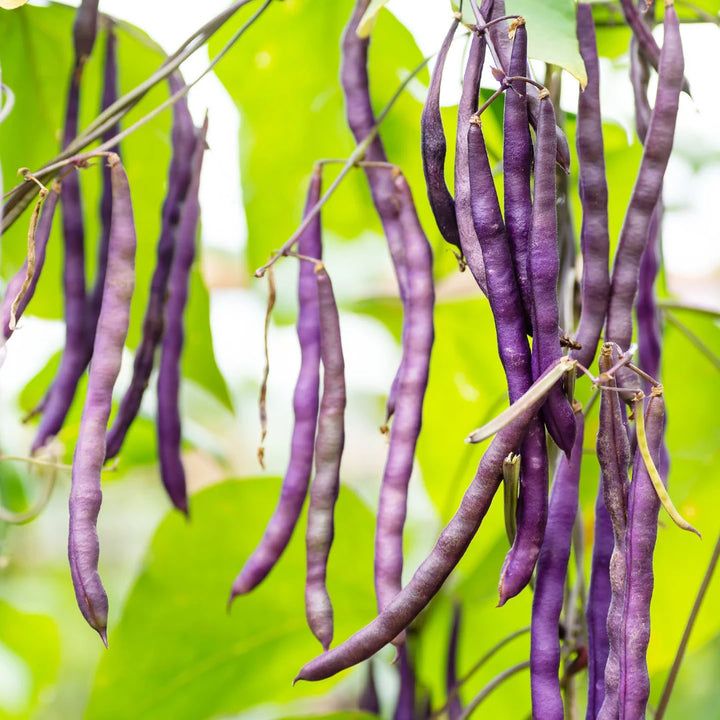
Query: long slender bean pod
x=648 y=185
x=506 y=304
x=328 y=452
x=109 y=96
x=502 y=51
x=361 y=120
x=433 y=572
x=517 y=162
x=418 y=335
x=643 y=508
x=613 y=452
x=594 y=232
x=434 y=149
x=463 y=193
x=305 y=403
x=598 y=605
x=183 y=141
x=85 y=30
x=543 y=269
x=168 y=385
x=369 y=701
x=42 y=235
x=550 y=584
x=85 y=491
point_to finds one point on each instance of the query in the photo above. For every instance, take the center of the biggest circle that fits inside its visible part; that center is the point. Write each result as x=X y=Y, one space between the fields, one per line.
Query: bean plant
x=511 y=242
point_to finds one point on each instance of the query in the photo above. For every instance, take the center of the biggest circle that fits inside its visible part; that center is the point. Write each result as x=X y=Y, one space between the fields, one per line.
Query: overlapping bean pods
x=183 y=142
x=169 y=433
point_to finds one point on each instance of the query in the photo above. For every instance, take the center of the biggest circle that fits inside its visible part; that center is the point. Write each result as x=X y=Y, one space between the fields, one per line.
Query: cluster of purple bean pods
x=97 y=316
x=512 y=252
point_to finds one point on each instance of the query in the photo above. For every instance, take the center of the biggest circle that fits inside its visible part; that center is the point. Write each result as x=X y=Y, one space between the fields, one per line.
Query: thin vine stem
x=693 y=338
x=494 y=683
x=357 y=155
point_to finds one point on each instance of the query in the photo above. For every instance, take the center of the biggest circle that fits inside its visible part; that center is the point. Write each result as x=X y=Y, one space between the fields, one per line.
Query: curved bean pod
x=550 y=584
x=594 y=232
x=613 y=452
x=418 y=336
x=517 y=162
x=435 y=569
x=361 y=119
x=543 y=269
x=42 y=235
x=328 y=452
x=463 y=193
x=85 y=491
x=434 y=149
x=168 y=385
x=598 y=605
x=183 y=142
x=305 y=401
x=648 y=185
x=643 y=508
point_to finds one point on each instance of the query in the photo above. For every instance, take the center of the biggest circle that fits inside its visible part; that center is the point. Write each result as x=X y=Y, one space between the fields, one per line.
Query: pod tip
x=102 y=632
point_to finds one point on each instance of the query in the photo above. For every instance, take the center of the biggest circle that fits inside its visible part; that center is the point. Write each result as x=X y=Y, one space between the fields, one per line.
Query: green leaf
x=176 y=653
x=278 y=148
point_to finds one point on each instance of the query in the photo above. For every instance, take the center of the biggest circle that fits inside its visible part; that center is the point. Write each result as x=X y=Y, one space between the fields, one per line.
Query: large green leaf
x=176 y=653
x=294 y=49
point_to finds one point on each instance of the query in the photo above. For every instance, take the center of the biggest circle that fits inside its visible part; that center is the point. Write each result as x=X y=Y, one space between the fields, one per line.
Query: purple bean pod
x=502 y=51
x=169 y=434
x=598 y=605
x=639 y=79
x=550 y=584
x=183 y=142
x=463 y=194
x=503 y=291
x=361 y=119
x=517 y=162
x=613 y=452
x=109 y=96
x=514 y=353
x=543 y=269
x=434 y=149
x=594 y=232
x=305 y=401
x=328 y=452
x=405 y=708
x=85 y=30
x=454 y=706
x=418 y=335
x=76 y=353
x=436 y=568
x=85 y=491
x=643 y=508
x=648 y=185
x=531 y=514
x=42 y=235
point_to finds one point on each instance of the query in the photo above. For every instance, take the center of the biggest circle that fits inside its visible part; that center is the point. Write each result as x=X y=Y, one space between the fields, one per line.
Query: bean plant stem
x=495 y=682
x=356 y=156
